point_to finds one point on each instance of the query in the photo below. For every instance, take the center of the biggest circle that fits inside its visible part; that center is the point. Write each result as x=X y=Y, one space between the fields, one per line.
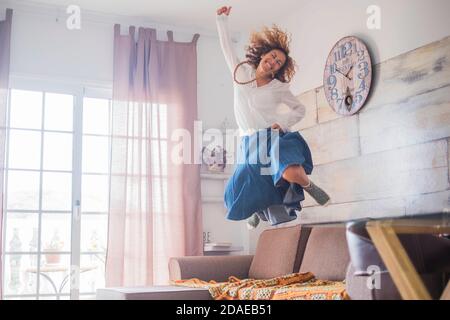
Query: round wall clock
x=215 y=159
x=347 y=76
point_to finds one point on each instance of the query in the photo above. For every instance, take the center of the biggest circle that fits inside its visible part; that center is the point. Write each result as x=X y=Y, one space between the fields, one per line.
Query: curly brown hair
x=266 y=40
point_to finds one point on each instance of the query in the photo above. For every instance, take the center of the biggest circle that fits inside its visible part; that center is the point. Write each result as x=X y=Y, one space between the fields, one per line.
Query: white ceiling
x=199 y=14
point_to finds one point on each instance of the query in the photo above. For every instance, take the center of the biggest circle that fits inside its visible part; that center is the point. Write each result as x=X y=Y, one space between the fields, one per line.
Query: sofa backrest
x=321 y=250
x=326 y=254
x=277 y=252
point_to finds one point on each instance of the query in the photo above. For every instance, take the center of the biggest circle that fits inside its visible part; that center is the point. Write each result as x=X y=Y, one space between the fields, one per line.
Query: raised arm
x=225 y=38
x=297 y=112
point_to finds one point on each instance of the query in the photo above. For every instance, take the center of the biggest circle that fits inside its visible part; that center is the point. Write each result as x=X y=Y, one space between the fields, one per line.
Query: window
x=56 y=159
x=94 y=194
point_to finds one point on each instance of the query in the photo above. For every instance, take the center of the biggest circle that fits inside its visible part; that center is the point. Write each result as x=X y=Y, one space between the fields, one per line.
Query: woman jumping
x=249 y=194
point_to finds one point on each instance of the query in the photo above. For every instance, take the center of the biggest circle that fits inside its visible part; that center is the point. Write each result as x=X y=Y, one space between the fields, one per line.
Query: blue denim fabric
x=257 y=186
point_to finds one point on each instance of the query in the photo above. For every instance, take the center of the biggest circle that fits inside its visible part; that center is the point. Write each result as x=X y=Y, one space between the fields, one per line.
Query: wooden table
x=384 y=236
x=384 y=231
x=47 y=269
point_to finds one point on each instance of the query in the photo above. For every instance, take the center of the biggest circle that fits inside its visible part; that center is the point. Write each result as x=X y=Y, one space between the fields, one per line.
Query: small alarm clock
x=214 y=159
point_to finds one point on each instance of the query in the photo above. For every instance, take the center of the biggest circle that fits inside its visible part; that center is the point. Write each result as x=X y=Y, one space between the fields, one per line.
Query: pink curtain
x=155 y=205
x=5 y=41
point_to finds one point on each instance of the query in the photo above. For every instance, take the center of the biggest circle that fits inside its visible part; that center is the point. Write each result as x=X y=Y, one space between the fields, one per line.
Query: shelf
x=212 y=199
x=224 y=249
x=215 y=176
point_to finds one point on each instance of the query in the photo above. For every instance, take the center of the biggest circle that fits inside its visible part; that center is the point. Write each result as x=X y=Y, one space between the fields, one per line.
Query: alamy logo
x=253 y=150
x=73 y=22
x=374 y=280
x=374 y=19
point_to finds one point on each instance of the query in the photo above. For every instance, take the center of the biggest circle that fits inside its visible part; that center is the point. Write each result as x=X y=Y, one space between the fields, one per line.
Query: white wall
x=405 y=25
x=45 y=47
x=42 y=47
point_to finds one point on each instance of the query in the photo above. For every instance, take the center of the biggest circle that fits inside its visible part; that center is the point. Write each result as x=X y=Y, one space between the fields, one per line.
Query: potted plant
x=52 y=248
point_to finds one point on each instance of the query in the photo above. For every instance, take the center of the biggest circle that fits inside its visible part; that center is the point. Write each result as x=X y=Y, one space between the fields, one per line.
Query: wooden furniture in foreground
x=446 y=294
x=384 y=236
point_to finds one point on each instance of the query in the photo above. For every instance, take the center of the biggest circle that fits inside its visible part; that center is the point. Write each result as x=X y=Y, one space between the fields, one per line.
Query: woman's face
x=272 y=61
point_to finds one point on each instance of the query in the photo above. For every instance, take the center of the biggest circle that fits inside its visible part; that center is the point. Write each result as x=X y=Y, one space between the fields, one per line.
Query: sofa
x=322 y=250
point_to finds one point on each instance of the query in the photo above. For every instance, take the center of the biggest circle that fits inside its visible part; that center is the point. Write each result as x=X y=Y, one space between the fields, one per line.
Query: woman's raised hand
x=224 y=9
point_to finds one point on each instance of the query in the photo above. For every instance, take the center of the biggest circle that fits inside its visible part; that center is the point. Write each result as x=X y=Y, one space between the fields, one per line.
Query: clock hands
x=351 y=67
x=340 y=72
x=345 y=75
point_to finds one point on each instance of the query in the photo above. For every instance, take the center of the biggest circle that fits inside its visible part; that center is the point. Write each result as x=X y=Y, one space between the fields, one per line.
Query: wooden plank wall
x=392 y=158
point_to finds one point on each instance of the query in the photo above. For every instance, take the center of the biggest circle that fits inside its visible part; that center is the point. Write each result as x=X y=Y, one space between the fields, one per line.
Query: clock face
x=347 y=76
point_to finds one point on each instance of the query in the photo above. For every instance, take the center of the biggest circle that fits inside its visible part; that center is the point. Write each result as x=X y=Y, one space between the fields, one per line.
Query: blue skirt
x=257 y=183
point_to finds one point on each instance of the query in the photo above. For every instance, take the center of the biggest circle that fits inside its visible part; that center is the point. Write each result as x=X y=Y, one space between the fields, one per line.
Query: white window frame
x=79 y=89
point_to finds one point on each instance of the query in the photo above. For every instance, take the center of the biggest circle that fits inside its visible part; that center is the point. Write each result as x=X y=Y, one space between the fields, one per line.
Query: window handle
x=77 y=210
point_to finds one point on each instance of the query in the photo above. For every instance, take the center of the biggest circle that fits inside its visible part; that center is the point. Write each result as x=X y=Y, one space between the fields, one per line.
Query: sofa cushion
x=277 y=252
x=217 y=268
x=326 y=254
x=153 y=293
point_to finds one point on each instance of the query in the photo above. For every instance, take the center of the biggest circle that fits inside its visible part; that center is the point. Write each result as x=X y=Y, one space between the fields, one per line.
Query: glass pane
x=94 y=232
x=136 y=156
x=144 y=163
x=56 y=232
x=20 y=298
x=159 y=157
x=21 y=232
x=159 y=121
x=56 y=191
x=58 y=112
x=163 y=120
x=57 y=151
x=92 y=275
x=136 y=196
x=54 y=272
x=159 y=195
x=24 y=149
x=95 y=116
x=26 y=109
x=94 y=193
x=95 y=154
x=135 y=119
x=144 y=192
x=23 y=190
x=19 y=277
x=64 y=296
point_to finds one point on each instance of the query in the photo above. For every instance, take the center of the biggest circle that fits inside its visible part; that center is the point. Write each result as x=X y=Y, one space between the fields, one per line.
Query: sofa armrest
x=207 y=268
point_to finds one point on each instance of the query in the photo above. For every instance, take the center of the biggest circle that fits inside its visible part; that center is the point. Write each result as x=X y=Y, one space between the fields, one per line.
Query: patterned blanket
x=295 y=286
